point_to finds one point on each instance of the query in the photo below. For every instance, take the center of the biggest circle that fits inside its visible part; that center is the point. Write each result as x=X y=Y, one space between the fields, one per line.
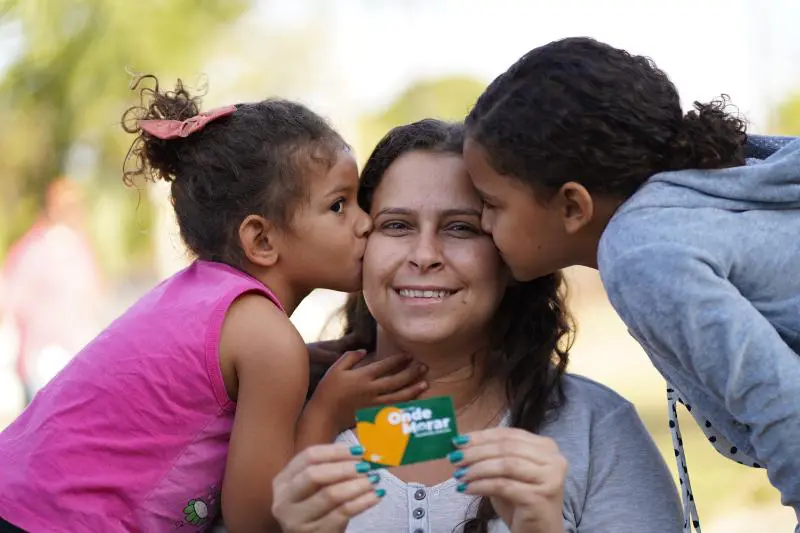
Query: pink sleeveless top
x=133 y=434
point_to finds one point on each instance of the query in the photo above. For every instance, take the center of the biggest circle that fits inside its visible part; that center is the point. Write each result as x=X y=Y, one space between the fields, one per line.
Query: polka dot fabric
x=720 y=443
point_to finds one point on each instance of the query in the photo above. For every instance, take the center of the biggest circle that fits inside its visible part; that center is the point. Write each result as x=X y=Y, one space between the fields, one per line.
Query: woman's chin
x=427 y=333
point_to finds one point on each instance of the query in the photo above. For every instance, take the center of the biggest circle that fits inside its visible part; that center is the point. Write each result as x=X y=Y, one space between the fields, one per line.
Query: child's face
x=529 y=232
x=325 y=245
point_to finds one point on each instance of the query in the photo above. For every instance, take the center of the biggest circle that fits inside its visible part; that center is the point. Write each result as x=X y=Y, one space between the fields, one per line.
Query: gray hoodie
x=704 y=268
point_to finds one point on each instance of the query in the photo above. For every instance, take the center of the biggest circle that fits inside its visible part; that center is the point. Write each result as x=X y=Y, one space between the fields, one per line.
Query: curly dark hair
x=532 y=332
x=253 y=161
x=580 y=110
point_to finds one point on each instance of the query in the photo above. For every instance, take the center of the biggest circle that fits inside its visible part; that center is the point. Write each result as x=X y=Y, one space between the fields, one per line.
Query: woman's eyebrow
x=457 y=211
x=464 y=211
x=393 y=211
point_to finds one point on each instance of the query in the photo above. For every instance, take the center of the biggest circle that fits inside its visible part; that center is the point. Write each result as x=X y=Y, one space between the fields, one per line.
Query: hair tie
x=173 y=129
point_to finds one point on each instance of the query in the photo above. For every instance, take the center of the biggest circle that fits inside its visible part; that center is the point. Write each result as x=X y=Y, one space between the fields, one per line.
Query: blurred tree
x=786 y=118
x=67 y=80
x=448 y=98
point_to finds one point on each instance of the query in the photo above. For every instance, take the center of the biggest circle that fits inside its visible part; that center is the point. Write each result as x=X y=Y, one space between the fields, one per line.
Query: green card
x=406 y=433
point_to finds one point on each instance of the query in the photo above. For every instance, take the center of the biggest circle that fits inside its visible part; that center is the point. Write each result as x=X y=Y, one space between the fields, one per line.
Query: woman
x=541 y=451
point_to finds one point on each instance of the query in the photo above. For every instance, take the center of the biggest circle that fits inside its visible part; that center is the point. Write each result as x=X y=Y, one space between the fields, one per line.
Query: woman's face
x=430 y=272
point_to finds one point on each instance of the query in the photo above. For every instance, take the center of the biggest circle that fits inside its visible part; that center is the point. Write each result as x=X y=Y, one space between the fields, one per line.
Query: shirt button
x=418 y=530
x=419 y=512
x=419 y=495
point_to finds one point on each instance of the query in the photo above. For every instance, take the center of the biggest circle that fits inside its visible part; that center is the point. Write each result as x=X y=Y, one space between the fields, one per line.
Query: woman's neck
x=456 y=369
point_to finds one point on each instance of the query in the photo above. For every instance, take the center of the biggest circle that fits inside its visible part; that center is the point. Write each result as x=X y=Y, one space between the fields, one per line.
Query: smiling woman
x=430 y=272
x=436 y=289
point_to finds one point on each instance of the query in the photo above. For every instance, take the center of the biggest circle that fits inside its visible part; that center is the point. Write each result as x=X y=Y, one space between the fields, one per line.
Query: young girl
x=584 y=157
x=191 y=398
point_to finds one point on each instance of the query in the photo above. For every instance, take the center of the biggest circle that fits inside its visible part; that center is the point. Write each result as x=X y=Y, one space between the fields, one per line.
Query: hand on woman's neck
x=455 y=369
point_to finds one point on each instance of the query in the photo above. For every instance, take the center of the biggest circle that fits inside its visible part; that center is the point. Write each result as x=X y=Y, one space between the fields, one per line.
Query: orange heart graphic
x=384 y=443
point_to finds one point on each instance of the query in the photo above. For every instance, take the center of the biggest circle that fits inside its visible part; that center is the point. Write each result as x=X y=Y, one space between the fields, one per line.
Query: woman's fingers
x=502 y=434
x=322 y=488
x=539 y=477
x=316 y=455
x=338 y=519
x=490 y=444
x=339 y=497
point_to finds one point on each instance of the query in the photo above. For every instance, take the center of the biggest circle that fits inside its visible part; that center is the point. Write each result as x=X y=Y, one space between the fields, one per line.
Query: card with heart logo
x=406 y=433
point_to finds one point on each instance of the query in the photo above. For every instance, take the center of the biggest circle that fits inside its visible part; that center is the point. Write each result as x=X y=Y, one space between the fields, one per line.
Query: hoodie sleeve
x=689 y=315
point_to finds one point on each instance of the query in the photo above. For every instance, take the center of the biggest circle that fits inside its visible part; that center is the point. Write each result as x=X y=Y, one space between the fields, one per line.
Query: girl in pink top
x=194 y=398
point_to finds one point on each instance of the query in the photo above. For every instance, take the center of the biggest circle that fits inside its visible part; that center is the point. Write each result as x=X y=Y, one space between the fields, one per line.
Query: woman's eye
x=338 y=206
x=394 y=226
x=463 y=229
x=487 y=204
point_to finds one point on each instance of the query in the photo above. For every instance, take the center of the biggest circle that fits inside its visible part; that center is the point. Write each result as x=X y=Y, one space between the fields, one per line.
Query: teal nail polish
x=374 y=478
x=363 y=468
x=455 y=456
x=462 y=487
x=380 y=493
x=458 y=474
x=357 y=450
x=460 y=440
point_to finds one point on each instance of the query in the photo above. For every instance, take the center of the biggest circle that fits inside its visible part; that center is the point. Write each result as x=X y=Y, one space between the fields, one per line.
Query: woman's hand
x=348 y=386
x=321 y=489
x=522 y=473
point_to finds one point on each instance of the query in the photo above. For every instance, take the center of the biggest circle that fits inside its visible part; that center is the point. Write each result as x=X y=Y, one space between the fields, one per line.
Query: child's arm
x=674 y=299
x=270 y=364
x=347 y=387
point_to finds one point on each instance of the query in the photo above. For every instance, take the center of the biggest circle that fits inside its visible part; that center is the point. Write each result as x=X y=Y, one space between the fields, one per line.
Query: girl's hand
x=323 y=354
x=321 y=489
x=522 y=473
x=348 y=386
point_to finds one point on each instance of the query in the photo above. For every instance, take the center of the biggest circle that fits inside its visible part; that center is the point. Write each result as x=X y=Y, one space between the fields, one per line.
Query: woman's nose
x=426 y=253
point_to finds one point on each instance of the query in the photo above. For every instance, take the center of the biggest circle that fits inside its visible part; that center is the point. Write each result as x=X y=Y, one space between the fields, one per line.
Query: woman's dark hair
x=532 y=329
x=253 y=161
x=580 y=110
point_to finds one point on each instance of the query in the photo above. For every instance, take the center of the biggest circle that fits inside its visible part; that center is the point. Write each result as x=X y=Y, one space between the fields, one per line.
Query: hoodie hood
x=769 y=180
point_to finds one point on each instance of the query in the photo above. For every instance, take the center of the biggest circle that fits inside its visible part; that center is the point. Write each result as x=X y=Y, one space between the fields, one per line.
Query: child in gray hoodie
x=584 y=157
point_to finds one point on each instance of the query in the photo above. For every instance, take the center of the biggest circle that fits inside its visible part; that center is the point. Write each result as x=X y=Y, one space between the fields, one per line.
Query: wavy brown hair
x=580 y=110
x=253 y=161
x=532 y=331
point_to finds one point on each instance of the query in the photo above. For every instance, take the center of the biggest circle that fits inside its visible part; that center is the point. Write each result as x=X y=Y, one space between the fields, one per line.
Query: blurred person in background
x=52 y=287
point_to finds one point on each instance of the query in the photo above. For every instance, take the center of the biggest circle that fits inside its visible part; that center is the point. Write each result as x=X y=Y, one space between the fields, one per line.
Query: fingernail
x=423 y=386
x=458 y=474
x=423 y=368
x=357 y=450
x=374 y=478
x=363 y=467
x=455 y=456
x=460 y=440
x=462 y=487
x=380 y=493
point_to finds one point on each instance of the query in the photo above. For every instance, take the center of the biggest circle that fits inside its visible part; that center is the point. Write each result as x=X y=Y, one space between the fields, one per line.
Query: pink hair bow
x=173 y=129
